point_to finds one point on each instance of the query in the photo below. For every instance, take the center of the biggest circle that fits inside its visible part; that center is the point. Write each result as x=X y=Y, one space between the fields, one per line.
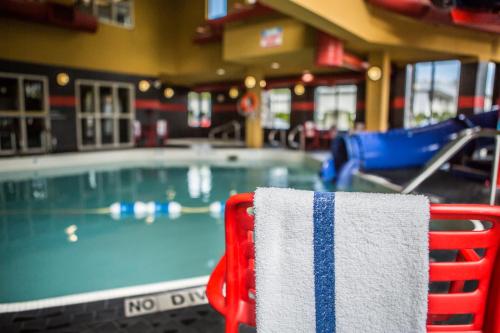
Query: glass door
x=24 y=111
x=105 y=114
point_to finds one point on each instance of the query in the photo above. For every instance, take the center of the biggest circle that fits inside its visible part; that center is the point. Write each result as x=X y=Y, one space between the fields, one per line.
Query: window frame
x=267 y=104
x=410 y=93
x=22 y=115
x=98 y=116
x=489 y=86
x=113 y=21
x=337 y=93
x=199 y=99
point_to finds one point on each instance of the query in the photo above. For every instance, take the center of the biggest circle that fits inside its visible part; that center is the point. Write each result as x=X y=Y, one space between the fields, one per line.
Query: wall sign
x=171 y=300
x=271 y=37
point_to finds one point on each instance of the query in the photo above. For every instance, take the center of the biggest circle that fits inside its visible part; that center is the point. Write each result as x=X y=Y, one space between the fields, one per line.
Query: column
x=472 y=86
x=377 y=91
x=253 y=128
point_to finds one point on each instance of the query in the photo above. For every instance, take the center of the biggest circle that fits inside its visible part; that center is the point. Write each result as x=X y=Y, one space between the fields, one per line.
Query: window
x=432 y=92
x=216 y=9
x=199 y=109
x=488 y=89
x=118 y=12
x=276 y=108
x=104 y=114
x=24 y=121
x=335 y=107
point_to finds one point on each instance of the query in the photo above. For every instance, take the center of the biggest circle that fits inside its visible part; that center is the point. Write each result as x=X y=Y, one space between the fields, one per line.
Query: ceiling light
x=144 y=85
x=262 y=83
x=275 y=65
x=299 y=89
x=374 y=73
x=168 y=92
x=307 y=76
x=62 y=79
x=250 y=82
x=220 y=71
x=233 y=92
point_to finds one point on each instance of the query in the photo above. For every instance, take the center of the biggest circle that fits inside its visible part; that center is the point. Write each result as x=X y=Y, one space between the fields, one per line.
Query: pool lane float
x=172 y=209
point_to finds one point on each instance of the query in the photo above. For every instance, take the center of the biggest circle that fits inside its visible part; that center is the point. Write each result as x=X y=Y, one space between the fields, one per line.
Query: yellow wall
x=242 y=42
x=377 y=93
x=135 y=51
x=194 y=61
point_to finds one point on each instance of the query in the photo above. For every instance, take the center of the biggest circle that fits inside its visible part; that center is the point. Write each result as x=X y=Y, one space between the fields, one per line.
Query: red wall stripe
x=62 y=101
x=398 y=102
x=224 y=107
x=157 y=105
x=303 y=106
x=470 y=102
x=360 y=105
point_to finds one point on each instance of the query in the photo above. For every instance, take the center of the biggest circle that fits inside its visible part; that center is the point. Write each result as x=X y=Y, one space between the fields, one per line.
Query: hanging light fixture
x=233 y=92
x=374 y=73
x=144 y=85
x=168 y=92
x=62 y=79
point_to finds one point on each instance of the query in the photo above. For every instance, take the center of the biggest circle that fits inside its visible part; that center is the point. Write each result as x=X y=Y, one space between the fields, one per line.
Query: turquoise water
x=43 y=255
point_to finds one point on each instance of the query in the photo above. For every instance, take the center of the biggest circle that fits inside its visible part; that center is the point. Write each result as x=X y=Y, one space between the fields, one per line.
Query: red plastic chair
x=235 y=270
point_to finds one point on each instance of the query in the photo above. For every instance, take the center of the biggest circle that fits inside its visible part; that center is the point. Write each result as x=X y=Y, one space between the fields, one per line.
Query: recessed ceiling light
x=262 y=83
x=250 y=82
x=201 y=29
x=275 y=65
x=307 y=76
x=220 y=71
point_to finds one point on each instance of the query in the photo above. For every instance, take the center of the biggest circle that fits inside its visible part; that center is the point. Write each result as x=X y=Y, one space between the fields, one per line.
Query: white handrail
x=301 y=144
x=453 y=147
x=272 y=138
x=226 y=129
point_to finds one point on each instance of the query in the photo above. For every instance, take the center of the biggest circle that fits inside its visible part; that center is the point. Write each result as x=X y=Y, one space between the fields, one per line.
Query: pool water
x=55 y=241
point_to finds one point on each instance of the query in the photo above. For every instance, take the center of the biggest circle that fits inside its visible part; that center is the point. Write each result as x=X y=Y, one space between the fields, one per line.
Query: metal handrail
x=225 y=130
x=272 y=138
x=301 y=144
x=453 y=147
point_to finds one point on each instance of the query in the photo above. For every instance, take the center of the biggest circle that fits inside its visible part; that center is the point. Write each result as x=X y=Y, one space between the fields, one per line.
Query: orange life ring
x=248 y=104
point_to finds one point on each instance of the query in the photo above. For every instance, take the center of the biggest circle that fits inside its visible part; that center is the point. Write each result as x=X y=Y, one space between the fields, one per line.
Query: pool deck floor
x=109 y=316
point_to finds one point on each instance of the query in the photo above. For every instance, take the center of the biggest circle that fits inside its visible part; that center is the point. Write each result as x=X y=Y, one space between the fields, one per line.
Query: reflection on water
x=199 y=179
x=55 y=241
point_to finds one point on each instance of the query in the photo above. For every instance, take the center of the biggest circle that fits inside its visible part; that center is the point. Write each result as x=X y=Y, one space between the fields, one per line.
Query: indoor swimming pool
x=58 y=238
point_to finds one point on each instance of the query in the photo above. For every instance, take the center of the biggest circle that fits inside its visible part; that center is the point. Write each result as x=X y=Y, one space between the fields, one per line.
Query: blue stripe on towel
x=324 y=273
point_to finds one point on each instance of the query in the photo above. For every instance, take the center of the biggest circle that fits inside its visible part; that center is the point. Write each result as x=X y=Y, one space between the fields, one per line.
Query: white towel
x=340 y=262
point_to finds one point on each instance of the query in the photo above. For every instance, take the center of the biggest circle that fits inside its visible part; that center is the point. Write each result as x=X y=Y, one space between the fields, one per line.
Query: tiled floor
x=108 y=316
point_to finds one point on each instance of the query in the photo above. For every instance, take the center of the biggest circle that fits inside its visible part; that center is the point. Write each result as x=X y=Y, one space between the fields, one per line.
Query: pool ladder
x=453 y=147
x=225 y=130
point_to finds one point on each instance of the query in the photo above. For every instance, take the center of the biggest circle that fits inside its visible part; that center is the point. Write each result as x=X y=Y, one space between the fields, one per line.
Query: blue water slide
x=399 y=148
